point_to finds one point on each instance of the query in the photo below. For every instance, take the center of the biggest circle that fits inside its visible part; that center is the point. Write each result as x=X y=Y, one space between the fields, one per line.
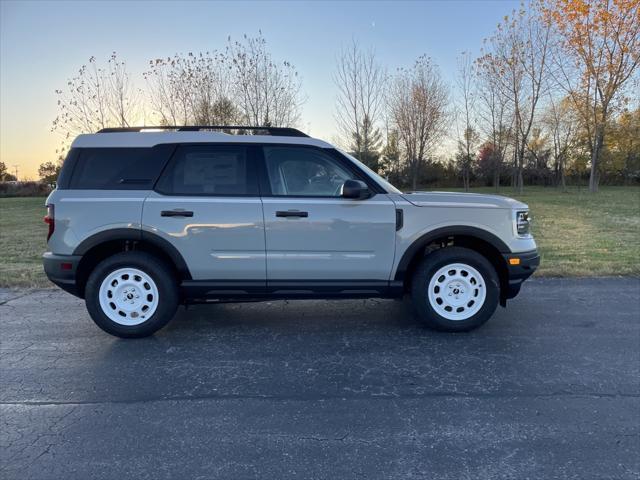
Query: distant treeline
x=24 y=189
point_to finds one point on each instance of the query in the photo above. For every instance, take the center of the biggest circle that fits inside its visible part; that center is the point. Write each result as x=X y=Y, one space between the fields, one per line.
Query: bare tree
x=267 y=93
x=243 y=84
x=467 y=142
x=97 y=97
x=418 y=100
x=168 y=90
x=466 y=155
x=494 y=112
x=192 y=89
x=359 y=80
x=518 y=59
x=562 y=124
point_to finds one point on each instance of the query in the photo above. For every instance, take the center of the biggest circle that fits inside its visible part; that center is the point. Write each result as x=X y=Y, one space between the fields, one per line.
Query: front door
x=207 y=205
x=312 y=233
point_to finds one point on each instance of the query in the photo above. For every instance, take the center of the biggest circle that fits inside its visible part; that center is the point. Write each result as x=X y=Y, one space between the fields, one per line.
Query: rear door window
x=117 y=168
x=209 y=170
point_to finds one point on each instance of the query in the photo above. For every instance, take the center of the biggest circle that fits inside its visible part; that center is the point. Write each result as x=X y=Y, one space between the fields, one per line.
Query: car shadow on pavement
x=294 y=314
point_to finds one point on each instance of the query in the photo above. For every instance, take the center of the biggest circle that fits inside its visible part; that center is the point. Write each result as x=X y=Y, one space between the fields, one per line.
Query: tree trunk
x=414 y=176
x=595 y=159
x=520 y=181
x=465 y=179
x=519 y=163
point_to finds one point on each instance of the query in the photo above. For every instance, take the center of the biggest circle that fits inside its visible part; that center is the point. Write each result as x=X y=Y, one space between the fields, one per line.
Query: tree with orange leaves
x=599 y=51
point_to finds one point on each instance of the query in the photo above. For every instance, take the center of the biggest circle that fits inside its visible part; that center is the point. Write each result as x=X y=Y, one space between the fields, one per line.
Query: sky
x=42 y=43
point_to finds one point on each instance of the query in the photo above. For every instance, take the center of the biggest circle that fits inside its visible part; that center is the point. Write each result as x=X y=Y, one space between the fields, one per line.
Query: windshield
x=386 y=185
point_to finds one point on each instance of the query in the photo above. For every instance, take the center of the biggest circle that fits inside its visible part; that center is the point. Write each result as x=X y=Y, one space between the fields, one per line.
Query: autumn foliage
x=599 y=51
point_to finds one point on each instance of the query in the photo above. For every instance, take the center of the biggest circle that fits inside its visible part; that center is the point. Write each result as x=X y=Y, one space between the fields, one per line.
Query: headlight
x=523 y=223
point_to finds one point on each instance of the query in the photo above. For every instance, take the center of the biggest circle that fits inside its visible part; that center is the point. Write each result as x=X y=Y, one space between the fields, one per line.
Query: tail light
x=50 y=220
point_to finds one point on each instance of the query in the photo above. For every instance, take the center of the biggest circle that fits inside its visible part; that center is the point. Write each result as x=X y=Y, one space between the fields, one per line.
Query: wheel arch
x=481 y=241
x=104 y=244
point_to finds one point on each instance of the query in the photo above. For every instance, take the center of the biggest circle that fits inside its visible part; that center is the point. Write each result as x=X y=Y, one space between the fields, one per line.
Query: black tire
x=159 y=272
x=430 y=265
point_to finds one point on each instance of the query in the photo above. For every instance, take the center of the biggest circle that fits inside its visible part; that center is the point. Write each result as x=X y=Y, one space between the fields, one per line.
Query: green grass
x=578 y=234
x=22 y=241
x=582 y=234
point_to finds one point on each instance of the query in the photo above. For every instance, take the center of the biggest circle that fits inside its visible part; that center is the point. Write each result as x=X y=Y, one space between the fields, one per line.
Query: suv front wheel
x=131 y=294
x=455 y=289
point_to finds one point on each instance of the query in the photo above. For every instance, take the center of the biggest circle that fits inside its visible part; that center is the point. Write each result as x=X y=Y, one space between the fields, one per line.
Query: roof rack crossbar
x=275 y=131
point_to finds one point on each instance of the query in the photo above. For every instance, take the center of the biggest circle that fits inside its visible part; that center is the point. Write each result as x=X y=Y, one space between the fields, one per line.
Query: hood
x=466 y=200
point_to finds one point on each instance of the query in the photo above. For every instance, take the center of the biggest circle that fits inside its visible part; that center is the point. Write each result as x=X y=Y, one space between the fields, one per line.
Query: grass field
x=582 y=234
x=578 y=234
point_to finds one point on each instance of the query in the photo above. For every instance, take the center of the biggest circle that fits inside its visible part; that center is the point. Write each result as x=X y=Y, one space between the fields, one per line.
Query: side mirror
x=355 y=189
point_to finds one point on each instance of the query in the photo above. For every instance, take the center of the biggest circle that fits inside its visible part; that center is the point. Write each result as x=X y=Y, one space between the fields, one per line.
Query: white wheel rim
x=457 y=291
x=128 y=296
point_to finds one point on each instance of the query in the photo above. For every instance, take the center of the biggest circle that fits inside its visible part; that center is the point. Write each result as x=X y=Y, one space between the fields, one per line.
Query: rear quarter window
x=118 y=168
x=64 y=178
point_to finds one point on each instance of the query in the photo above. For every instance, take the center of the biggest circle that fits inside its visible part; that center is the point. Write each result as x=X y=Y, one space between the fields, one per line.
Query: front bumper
x=527 y=262
x=61 y=270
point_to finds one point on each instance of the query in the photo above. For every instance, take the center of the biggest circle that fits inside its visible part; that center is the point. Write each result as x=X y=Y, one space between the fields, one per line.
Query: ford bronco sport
x=144 y=219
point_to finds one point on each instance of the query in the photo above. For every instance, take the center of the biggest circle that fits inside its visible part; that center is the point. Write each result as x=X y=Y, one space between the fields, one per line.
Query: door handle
x=176 y=213
x=292 y=213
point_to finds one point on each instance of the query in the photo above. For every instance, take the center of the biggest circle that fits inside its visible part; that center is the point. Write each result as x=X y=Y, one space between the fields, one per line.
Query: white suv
x=145 y=219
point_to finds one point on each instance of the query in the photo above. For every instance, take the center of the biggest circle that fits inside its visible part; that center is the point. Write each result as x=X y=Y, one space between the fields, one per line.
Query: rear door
x=315 y=235
x=206 y=204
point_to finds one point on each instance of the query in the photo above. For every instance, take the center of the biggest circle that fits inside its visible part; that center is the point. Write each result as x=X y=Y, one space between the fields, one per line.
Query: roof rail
x=275 y=131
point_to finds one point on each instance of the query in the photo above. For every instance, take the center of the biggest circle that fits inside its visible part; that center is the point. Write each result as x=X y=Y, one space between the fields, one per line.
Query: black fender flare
x=135 y=235
x=429 y=237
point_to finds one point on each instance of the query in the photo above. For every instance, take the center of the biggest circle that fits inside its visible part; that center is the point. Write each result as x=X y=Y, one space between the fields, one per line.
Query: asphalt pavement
x=549 y=388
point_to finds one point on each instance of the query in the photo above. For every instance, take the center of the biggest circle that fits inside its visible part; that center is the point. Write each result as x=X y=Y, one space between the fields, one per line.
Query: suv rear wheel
x=131 y=294
x=455 y=289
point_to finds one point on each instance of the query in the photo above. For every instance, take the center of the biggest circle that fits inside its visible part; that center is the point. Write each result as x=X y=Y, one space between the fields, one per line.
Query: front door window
x=304 y=172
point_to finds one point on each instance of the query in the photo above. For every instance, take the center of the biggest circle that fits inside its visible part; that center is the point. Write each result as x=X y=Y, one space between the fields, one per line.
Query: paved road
x=550 y=388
